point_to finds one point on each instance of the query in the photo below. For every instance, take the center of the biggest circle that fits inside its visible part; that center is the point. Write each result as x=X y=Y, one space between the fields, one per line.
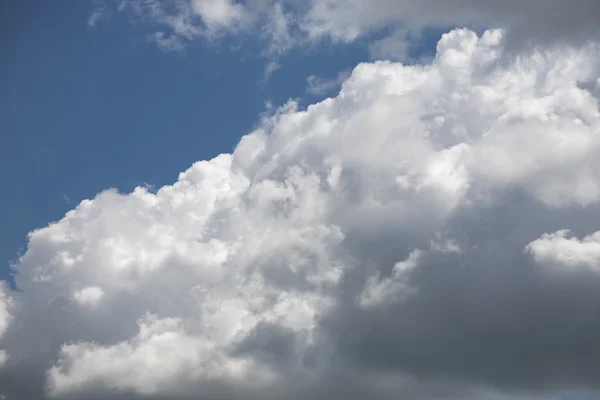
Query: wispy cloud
x=320 y=86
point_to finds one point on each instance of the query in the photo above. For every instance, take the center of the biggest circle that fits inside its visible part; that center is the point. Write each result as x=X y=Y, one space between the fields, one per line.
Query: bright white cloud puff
x=392 y=241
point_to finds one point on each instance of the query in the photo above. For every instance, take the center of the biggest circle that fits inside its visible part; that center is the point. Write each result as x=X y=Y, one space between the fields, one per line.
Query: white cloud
x=159 y=356
x=242 y=270
x=379 y=291
x=89 y=296
x=276 y=30
x=218 y=12
x=320 y=86
x=96 y=16
x=99 y=13
x=167 y=42
x=5 y=318
x=394 y=47
x=558 y=249
x=286 y=24
x=270 y=69
x=349 y=19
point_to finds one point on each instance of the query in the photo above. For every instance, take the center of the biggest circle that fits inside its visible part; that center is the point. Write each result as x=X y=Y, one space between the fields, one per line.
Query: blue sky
x=89 y=108
x=86 y=107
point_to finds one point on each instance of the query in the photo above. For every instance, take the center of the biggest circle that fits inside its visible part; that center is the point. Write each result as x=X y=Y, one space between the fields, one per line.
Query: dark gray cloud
x=487 y=315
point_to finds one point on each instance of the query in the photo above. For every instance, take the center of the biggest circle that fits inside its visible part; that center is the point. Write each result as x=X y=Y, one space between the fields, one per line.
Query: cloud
x=96 y=16
x=218 y=12
x=177 y=22
x=89 y=296
x=525 y=21
x=167 y=43
x=99 y=13
x=394 y=47
x=378 y=291
x=567 y=252
x=157 y=357
x=5 y=318
x=319 y=86
x=392 y=26
x=388 y=242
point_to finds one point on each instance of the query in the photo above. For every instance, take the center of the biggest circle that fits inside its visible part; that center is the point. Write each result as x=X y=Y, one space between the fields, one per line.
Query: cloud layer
x=285 y=24
x=405 y=238
x=538 y=20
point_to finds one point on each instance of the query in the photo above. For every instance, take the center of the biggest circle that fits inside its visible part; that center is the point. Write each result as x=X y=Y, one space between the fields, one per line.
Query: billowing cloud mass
x=429 y=233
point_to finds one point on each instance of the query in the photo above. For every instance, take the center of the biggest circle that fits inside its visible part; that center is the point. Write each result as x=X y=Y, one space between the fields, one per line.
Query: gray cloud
x=488 y=314
x=530 y=20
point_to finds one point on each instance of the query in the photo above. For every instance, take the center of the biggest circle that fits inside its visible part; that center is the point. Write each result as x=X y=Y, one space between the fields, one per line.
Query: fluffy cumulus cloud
x=558 y=249
x=398 y=240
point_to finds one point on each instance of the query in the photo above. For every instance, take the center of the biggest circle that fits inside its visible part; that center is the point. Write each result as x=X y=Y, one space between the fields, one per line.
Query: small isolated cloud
x=390 y=242
x=99 y=12
x=96 y=16
x=394 y=47
x=270 y=69
x=320 y=86
x=166 y=42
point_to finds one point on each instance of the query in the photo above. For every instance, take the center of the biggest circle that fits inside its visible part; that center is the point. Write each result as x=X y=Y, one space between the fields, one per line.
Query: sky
x=276 y=199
